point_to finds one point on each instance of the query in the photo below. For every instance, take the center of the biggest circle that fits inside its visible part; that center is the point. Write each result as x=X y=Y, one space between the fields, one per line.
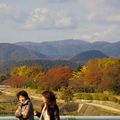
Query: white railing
x=75 y=118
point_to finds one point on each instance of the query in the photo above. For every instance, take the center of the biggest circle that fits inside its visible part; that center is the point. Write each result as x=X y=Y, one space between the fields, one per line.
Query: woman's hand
x=24 y=113
x=35 y=113
x=17 y=111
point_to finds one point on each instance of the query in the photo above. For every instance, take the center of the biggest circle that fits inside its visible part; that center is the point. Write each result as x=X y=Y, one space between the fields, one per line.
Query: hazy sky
x=48 y=20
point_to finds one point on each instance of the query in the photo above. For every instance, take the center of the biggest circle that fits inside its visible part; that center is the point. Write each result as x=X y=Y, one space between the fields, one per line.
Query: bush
x=78 y=95
x=111 y=98
x=86 y=96
x=95 y=96
x=103 y=97
x=39 y=91
x=66 y=94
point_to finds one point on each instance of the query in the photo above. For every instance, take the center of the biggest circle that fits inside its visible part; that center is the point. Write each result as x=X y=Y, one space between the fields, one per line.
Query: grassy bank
x=8 y=101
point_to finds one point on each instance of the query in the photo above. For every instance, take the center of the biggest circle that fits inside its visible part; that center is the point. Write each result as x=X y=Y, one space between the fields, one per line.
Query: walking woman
x=49 y=108
x=25 y=108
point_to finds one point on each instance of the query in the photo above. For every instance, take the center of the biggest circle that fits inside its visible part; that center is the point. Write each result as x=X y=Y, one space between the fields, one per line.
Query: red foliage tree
x=111 y=79
x=56 y=78
x=17 y=81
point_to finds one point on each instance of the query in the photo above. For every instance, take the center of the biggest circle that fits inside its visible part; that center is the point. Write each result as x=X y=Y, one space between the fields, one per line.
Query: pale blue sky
x=49 y=20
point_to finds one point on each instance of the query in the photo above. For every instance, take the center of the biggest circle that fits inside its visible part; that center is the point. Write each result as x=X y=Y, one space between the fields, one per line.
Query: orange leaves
x=35 y=76
x=100 y=73
x=17 y=81
x=56 y=78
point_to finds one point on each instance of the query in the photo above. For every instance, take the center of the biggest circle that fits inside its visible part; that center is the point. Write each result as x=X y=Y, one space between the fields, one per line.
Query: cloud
x=5 y=10
x=98 y=33
x=101 y=10
x=43 y=18
x=9 y=13
x=114 y=18
x=101 y=20
x=54 y=1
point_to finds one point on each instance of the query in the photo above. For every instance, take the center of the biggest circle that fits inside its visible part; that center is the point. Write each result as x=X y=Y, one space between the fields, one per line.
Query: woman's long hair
x=50 y=100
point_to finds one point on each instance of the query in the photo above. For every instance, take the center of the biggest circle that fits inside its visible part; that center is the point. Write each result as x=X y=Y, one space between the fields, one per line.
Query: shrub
x=112 y=98
x=86 y=96
x=66 y=94
x=103 y=97
x=78 y=95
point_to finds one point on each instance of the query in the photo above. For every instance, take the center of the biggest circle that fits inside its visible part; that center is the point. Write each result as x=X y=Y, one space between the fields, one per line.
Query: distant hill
x=46 y=64
x=87 y=55
x=110 y=49
x=66 y=49
x=12 y=52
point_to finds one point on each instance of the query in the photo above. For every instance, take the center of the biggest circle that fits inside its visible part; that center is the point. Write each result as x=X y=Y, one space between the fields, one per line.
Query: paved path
x=115 y=110
x=106 y=107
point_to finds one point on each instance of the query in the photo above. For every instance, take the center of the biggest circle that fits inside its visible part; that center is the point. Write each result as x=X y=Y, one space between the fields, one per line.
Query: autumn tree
x=78 y=68
x=56 y=78
x=19 y=71
x=76 y=81
x=32 y=73
x=3 y=77
x=17 y=81
x=66 y=94
x=92 y=75
x=26 y=70
x=111 y=79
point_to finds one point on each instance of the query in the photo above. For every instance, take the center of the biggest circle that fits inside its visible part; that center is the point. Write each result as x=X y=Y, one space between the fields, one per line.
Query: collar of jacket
x=25 y=103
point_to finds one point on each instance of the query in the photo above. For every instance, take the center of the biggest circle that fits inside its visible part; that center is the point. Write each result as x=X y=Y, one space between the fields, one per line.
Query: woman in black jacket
x=49 y=108
x=25 y=107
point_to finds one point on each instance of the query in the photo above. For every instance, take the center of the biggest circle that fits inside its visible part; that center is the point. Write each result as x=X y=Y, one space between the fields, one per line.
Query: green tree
x=3 y=77
x=66 y=94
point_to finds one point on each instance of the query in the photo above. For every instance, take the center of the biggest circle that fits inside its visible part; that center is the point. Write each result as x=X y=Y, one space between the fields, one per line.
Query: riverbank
x=8 y=103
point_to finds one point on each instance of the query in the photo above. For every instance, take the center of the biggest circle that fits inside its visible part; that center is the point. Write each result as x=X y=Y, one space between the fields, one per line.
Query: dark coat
x=22 y=107
x=53 y=112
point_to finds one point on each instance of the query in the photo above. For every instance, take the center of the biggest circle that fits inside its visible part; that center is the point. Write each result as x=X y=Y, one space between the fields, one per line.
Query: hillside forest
x=96 y=75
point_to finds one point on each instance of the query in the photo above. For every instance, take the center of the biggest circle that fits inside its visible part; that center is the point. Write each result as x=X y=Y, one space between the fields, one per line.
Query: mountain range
x=12 y=52
x=62 y=49
x=69 y=48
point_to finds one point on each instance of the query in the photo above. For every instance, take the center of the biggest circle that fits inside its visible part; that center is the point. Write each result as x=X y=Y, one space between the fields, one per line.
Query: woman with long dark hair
x=49 y=108
x=25 y=108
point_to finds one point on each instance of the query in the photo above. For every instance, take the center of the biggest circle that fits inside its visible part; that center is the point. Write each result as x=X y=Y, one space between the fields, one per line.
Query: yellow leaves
x=76 y=75
x=26 y=71
x=38 y=76
x=20 y=71
x=84 y=68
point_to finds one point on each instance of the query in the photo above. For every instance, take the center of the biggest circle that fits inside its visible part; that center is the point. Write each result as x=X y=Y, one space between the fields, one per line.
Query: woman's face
x=21 y=99
x=44 y=99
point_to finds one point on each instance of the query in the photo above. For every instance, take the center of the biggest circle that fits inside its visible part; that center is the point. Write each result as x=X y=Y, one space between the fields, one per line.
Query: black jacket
x=53 y=112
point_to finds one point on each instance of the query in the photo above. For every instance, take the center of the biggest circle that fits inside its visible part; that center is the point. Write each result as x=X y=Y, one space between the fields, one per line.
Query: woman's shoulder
x=55 y=105
x=28 y=102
